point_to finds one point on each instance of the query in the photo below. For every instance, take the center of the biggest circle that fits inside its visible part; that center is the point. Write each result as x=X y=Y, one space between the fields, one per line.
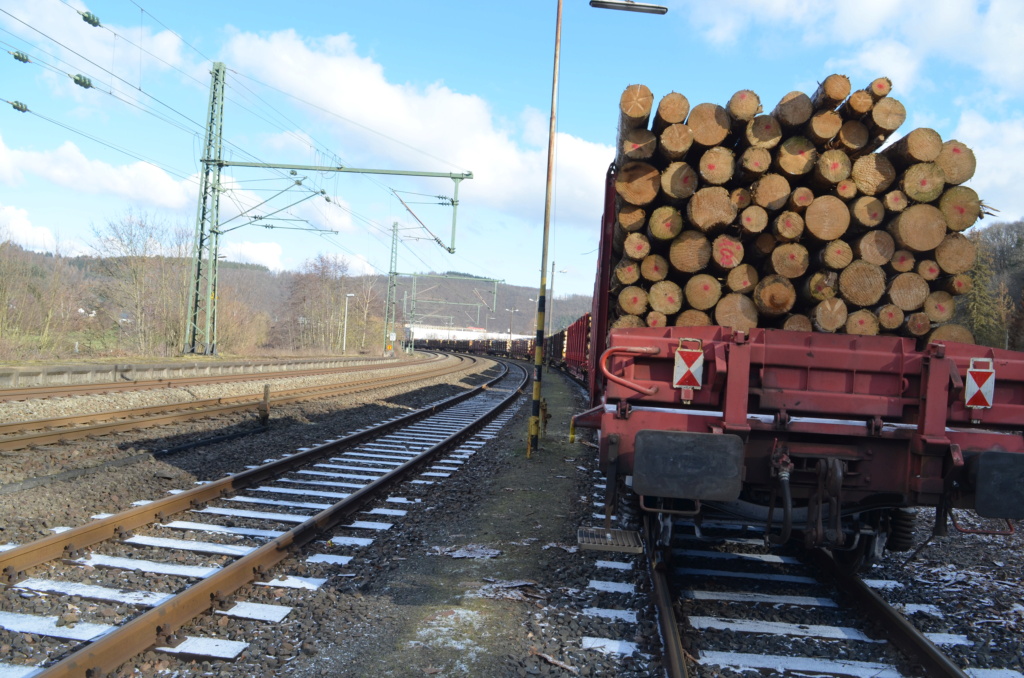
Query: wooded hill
x=133 y=304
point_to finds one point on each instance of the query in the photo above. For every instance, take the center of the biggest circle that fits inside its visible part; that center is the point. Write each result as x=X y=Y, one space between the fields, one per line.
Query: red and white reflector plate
x=689 y=368
x=980 y=384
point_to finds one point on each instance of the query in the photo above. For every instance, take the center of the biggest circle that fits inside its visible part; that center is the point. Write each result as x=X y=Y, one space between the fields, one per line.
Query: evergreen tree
x=983 y=308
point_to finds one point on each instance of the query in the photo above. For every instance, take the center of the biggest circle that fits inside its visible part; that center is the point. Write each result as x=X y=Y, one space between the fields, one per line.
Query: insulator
x=21 y=56
x=18 y=106
x=91 y=19
x=82 y=81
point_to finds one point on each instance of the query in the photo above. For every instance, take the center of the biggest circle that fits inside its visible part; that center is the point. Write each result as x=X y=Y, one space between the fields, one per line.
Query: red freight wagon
x=828 y=435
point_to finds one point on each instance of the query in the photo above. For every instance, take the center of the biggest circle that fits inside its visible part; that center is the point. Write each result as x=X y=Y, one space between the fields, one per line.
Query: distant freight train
x=830 y=438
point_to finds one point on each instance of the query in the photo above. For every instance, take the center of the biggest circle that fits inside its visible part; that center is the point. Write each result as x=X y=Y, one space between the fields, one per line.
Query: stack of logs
x=794 y=219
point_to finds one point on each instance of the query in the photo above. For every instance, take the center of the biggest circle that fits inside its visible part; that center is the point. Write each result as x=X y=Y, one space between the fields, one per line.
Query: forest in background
x=128 y=298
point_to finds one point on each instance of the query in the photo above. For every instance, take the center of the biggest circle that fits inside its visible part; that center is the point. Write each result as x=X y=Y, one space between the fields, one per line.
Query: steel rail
x=907 y=637
x=37 y=392
x=160 y=624
x=164 y=414
x=672 y=642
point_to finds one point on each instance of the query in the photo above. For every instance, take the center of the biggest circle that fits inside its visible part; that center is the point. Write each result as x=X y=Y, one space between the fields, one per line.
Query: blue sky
x=443 y=87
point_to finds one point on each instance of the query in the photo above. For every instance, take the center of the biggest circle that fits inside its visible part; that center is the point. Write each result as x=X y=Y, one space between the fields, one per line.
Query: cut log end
x=861 y=283
x=742 y=279
x=862 y=322
x=690 y=252
x=951 y=332
x=672 y=109
x=793 y=110
x=957 y=162
x=702 y=292
x=710 y=124
x=829 y=315
x=737 y=312
x=665 y=297
x=744 y=105
x=710 y=209
x=637 y=183
x=633 y=300
x=774 y=295
x=691 y=317
x=678 y=182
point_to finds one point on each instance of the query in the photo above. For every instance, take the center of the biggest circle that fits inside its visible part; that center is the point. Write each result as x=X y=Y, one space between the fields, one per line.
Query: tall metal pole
x=389 y=305
x=538 y=349
x=201 y=335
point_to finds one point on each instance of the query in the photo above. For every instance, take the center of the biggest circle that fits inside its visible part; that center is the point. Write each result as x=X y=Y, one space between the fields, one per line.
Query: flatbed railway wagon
x=830 y=437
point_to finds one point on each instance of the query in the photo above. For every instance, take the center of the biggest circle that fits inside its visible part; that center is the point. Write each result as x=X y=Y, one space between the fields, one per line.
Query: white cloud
x=16 y=225
x=897 y=61
x=67 y=166
x=442 y=122
x=997 y=145
x=266 y=253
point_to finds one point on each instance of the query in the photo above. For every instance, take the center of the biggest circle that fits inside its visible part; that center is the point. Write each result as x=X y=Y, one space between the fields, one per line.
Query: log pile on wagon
x=801 y=218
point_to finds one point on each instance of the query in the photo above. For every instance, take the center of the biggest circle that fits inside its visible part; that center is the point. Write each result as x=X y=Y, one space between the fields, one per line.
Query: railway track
x=64 y=390
x=210 y=550
x=746 y=608
x=23 y=434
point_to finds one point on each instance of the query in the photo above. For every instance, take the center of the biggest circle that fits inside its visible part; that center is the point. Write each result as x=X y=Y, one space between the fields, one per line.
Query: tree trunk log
x=895 y=201
x=637 y=183
x=929 y=269
x=742 y=279
x=743 y=106
x=665 y=297
x=740 y=197
x=800 y=199
x=879 y=87
x=957 y=162
x=861 y=283
x=829 y=315
x=665 y=224
x=920 y=145
x=794 y=110
x=919 y=228
x=737 y=312
x=710 y=209
x=764 y=244
x=797 y=322
x=823 y=127
x=885 y=117
x=773 y=296
x=654 y=268
x=832 y=167
x=678 y=182
x=674 y=142
x=890 y=317
x=634 y=108
x=835 y=255
x=852 y=137
x=916 y=324
x=625 y=273
x=788 y=226
x=656 y=319
x=873 y=174
x=710 y=124
x=961 y=207
x=958 y=284
x=672 y=110
x=867 y=211
x=857 y=105
x=789 y=260
x=939 y=306
x=771 y=192
x=702 y=291
x=874 y=247
x=753 y=163
x=632 y=301
x=819 y=286
x=637 y=246
x=923 y=182
x=631 y=218
x=862 y=322
x=637 y=144
x=690 y=252
x=727 y=252
x=956 y=254
x=827 y=218
x=846 y=189
x=902 y=261
x=753 y=220
x=627 y=322
x=832 y=91
x=764 y=131
x=908 y=291
x=717 y=165
x=691 y=317
x=795 y=157
x=951 y=332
